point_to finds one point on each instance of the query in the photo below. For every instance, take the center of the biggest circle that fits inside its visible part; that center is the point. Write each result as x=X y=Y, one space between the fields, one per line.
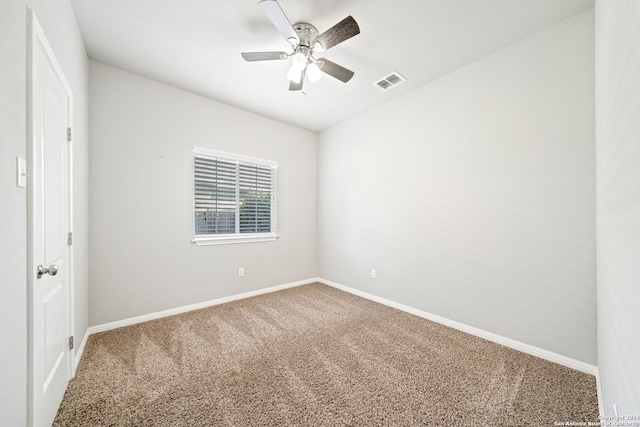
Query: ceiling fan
x=306 y=41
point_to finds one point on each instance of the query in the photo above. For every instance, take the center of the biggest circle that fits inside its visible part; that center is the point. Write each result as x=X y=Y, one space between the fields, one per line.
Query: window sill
x=233 y=239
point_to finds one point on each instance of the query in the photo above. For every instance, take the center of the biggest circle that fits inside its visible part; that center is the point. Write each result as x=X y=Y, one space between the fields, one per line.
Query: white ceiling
x=195 y=45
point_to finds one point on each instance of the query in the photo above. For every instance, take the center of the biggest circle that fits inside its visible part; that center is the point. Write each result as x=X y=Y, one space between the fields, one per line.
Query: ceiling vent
x=386 y=83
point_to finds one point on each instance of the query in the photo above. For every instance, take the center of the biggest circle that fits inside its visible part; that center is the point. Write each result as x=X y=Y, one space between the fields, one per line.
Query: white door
x=49 y=225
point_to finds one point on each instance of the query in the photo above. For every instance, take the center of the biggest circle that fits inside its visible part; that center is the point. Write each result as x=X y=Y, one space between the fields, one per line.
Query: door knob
x=52 y=270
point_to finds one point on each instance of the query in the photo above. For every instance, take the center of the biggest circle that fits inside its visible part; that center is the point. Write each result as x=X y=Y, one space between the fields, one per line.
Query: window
x=235 y=198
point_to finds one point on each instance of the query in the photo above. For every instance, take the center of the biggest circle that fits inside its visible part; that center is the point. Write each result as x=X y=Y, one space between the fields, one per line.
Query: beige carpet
x=315 y=356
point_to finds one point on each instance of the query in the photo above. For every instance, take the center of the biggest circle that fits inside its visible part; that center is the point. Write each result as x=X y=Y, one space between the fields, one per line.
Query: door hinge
x=70 y=239
x=68 y=134
x=70 y=343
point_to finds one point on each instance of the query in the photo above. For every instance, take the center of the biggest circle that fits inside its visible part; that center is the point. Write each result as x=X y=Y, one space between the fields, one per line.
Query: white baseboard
x=507 y=342
x=79 y=352
x=191 y=307
x=599 y=391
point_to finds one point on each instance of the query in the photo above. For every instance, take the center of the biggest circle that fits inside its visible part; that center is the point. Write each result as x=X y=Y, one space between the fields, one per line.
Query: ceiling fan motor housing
x=307 y=33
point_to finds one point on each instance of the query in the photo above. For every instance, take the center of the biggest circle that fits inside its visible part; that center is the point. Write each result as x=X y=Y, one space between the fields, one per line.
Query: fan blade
x=298 y=86
x=263 y=56
x=340 y=32
x=280 y=20
x=335 y=70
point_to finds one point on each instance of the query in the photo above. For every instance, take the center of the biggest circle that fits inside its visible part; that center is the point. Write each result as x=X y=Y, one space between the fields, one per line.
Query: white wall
x=618 y=202
x=141 y=181
x=58 y=22
x=474 y=196
x=13 y=216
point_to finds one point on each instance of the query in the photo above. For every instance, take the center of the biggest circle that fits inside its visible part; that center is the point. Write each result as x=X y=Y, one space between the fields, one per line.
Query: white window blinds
x=235 y=196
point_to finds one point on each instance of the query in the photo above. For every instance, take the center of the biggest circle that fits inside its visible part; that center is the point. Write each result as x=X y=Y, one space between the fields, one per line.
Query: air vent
x=386 y=83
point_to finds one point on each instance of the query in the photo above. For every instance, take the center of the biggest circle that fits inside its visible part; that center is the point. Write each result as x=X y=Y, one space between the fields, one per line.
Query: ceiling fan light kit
x=314 y=72
x=306 y=41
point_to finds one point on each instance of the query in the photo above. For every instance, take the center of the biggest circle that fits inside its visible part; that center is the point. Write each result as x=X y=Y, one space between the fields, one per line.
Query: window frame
x=237 y=237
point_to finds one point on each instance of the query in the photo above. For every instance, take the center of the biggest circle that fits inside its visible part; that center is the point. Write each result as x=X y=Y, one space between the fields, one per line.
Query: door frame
x=36 y=39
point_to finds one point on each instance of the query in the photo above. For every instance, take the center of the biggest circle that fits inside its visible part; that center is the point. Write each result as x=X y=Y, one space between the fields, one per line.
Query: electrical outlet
x=374 y=274
x=241 y=272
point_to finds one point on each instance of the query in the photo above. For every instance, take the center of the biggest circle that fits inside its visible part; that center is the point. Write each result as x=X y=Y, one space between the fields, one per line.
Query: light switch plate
x=21 y=172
